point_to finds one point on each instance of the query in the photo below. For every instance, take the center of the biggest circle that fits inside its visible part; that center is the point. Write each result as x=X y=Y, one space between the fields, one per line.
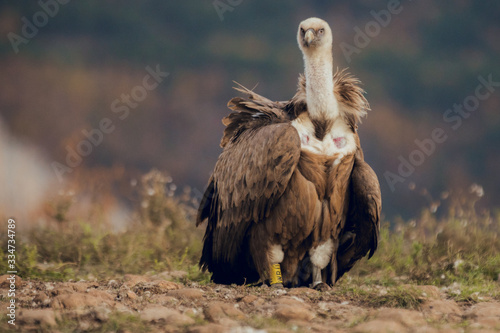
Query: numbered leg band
x=276 y=274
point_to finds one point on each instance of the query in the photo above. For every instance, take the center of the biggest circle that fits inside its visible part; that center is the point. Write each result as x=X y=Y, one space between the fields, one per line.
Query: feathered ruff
x=347 y=90
x=255 y=110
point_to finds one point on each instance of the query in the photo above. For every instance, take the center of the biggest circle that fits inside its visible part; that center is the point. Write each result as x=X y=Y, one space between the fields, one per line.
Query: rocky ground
x=140 y=303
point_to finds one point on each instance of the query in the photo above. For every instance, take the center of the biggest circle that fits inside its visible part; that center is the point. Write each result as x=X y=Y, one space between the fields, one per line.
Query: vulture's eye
x=321 y=31
x=302 y=31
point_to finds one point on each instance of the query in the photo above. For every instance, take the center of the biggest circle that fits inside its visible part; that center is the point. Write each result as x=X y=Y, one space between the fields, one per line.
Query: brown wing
x=251 y=112
x=261 y=152
x=360 y=234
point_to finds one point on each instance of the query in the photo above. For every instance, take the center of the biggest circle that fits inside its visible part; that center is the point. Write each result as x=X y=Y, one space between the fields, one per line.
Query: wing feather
x=361 y=232
x=256 y=169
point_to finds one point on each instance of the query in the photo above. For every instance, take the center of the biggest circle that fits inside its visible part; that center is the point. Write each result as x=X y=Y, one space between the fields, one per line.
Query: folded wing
x=361 y=231
x=261 y=152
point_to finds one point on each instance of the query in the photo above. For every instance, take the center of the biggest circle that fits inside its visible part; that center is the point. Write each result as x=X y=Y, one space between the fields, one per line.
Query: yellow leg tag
x=276 y=274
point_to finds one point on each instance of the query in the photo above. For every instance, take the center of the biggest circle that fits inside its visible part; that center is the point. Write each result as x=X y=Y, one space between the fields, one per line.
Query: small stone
x=249 y=299
x=166 y=300
x=484 y=310
x=82 y=300
x=161 y=286
x=405 y=317
x=228 y=322
x=42 y=299
x=215 y=311
x=302 y=291
x=209 y=328
x=180 y=319
x=102 y=294
x=62 y=290
x=379 y=326
x=292 y=301
x=131 y=295
x=192 y=312
x=124 y=309
x=278 y=292
x=163 y=275
x=346 y=313
x=83 y=286
x=442 y=309
x=102 y=313
x=132 y=280
x=259 y=302
x=74 y=301
x=485 y=315
x=486 y=322
x=170 y=316
x=40 y=317
x=113 y=284
x=155 y=313
x=187 y=293
x=5 y=281
x=293 y=312
x=167 y=285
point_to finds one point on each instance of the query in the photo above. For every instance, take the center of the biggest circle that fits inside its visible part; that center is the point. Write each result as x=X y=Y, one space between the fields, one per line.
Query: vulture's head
x=314 y=35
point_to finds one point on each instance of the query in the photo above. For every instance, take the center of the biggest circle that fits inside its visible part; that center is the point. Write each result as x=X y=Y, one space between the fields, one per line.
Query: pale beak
x=309 y=36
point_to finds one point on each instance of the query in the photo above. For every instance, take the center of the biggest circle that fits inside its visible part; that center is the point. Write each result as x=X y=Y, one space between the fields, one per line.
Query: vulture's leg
x=276 y=256
x=320 y=258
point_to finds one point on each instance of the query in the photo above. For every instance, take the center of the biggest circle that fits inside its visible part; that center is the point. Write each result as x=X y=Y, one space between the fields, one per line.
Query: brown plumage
x=281 y=192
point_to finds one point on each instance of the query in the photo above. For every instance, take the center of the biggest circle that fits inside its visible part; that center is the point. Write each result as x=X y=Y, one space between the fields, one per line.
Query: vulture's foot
x=321 y=287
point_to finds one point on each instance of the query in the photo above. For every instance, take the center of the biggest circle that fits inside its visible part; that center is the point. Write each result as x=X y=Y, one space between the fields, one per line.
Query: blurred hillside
x=84 y=62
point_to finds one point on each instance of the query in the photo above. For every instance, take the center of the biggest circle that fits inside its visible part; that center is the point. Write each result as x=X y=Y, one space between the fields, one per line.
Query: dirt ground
x=140 y=303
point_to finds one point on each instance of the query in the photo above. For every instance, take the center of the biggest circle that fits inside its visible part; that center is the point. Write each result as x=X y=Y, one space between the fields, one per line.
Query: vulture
x=290 y=193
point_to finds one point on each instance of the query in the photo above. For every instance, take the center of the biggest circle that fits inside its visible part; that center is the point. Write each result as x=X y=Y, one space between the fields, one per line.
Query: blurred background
x=65 y=68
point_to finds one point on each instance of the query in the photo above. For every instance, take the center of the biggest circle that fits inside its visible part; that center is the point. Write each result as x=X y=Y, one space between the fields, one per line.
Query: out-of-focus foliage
x=428 y=57
x=76 y=239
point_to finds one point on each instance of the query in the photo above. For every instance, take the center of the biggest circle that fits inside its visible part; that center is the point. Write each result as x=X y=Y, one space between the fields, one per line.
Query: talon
x=321 y=286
